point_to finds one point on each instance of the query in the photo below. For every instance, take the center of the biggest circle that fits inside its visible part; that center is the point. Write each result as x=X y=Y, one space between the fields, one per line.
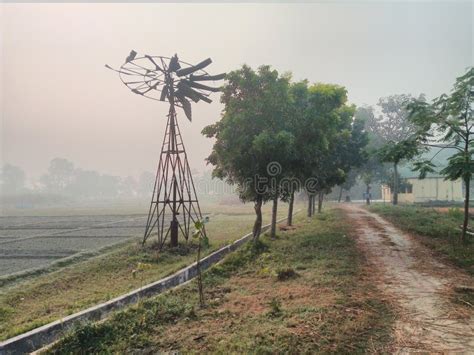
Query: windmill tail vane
x=174 y=206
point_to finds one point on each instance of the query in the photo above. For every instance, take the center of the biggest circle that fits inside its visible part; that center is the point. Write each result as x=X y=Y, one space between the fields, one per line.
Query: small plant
x=141 y=267
x=202 y=239
x=275 y=308
x=286 y=274
x=455 y=213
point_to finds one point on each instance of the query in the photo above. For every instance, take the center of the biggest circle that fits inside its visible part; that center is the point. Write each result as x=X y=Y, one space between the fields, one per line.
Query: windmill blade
x=201 y=86
x=187 y=91
x=174 y=63
x=131 y=56
x=153 y=87
x=194 y=68
x=153 y=61
x=164 y=93
x=186 y=106
x=194 y=95
x=118 y=71
x=207 y=77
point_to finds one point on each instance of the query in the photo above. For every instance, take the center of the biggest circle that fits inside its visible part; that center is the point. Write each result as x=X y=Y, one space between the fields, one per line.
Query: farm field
x=33 y=242
x=27 y=304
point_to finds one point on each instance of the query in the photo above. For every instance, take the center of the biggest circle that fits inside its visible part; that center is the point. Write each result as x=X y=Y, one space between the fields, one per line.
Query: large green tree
x=343 y=138
x=447 y=123
x=253 y=136
x=397 y=133
x=373 y=169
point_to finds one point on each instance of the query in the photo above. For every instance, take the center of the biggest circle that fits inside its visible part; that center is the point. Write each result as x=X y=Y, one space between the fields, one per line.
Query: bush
x=286 y=274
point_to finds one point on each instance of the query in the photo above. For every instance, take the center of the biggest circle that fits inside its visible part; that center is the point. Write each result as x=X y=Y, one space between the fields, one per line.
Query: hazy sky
x=58 y=100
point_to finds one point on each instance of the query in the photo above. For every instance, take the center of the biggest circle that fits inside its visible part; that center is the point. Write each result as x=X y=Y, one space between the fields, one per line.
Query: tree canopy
x=448 y=123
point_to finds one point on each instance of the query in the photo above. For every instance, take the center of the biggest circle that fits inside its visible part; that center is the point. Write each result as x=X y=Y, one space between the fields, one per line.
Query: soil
x=420 y=286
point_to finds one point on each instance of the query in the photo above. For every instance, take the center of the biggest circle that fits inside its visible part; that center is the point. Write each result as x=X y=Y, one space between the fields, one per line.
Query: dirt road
x=420 y=287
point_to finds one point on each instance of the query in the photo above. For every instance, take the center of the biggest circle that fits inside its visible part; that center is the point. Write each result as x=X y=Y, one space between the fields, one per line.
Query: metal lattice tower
x=174 y=205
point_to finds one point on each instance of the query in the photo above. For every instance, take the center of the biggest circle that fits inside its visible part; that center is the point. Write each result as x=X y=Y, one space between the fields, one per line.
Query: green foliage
x=286 y=273
x=448 y=122
x=199 y=232
x=329 y=141
x=254 y=130
x=308 y=129
x=395 y=152
x=460 y=165
x=275 y=308
x=455 y=213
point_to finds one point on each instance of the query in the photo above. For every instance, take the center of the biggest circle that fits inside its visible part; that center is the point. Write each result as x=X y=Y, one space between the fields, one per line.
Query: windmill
x=174 y=205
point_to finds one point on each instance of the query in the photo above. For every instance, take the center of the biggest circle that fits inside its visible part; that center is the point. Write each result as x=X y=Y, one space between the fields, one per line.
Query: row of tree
x=63 y=178
x=278 y=137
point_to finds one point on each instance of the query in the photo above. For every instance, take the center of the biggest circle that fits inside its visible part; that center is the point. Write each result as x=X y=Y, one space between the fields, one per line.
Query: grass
x=47 y=297
x=435 y=229
x=324 y=303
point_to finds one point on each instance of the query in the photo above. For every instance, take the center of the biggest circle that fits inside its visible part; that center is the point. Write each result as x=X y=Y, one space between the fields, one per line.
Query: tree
x=447 y=123
x=84 y=184
x=343 y=139
x=350 y=181
x=373 y=169
x=200 y=234
x=395 y=153
x=12 y=179
x=252 y=134
x=128 y=187
x=306 y=139
x=60 y=175
x=146 y=182
x=397 y=133
x=109 y=186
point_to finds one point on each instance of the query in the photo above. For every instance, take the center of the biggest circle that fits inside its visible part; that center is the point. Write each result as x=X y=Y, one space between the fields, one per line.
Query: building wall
x=428 y=189
x=436 y=189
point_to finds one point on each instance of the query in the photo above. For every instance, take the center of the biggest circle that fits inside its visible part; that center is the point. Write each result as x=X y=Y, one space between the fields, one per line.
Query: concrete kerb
x=48 y=333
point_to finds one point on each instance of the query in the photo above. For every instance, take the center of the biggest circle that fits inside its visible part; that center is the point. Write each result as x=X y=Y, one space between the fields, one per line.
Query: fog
x=58 y=100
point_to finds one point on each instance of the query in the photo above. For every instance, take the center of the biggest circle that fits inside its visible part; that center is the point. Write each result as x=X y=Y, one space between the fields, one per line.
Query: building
x=431 y=188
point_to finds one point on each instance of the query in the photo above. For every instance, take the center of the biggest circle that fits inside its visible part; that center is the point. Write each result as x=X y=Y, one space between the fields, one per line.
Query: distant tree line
x=64 y=179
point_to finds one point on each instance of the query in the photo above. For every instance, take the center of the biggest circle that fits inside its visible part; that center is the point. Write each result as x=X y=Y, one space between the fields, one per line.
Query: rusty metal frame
x=174 y=199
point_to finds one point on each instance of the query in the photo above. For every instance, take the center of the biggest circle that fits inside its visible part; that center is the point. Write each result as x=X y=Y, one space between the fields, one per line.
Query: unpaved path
x=427 y=320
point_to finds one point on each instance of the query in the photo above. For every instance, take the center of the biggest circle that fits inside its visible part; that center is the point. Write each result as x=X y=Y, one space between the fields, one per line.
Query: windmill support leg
x=174 y=206
x=174 y=233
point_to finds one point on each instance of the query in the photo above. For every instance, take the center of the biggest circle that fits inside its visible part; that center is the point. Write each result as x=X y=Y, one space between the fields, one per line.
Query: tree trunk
x=199 y=274
x=290 y=209
x=310 y=205
x=340 y=195
x=274 y=217
x=395 y=184
x=367 y=195
x=320 y=201
x=257 y=227
x=313 y=205
x=467 y=183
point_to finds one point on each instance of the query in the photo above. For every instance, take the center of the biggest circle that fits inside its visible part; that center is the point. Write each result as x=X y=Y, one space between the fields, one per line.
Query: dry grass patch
x=330 y=307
